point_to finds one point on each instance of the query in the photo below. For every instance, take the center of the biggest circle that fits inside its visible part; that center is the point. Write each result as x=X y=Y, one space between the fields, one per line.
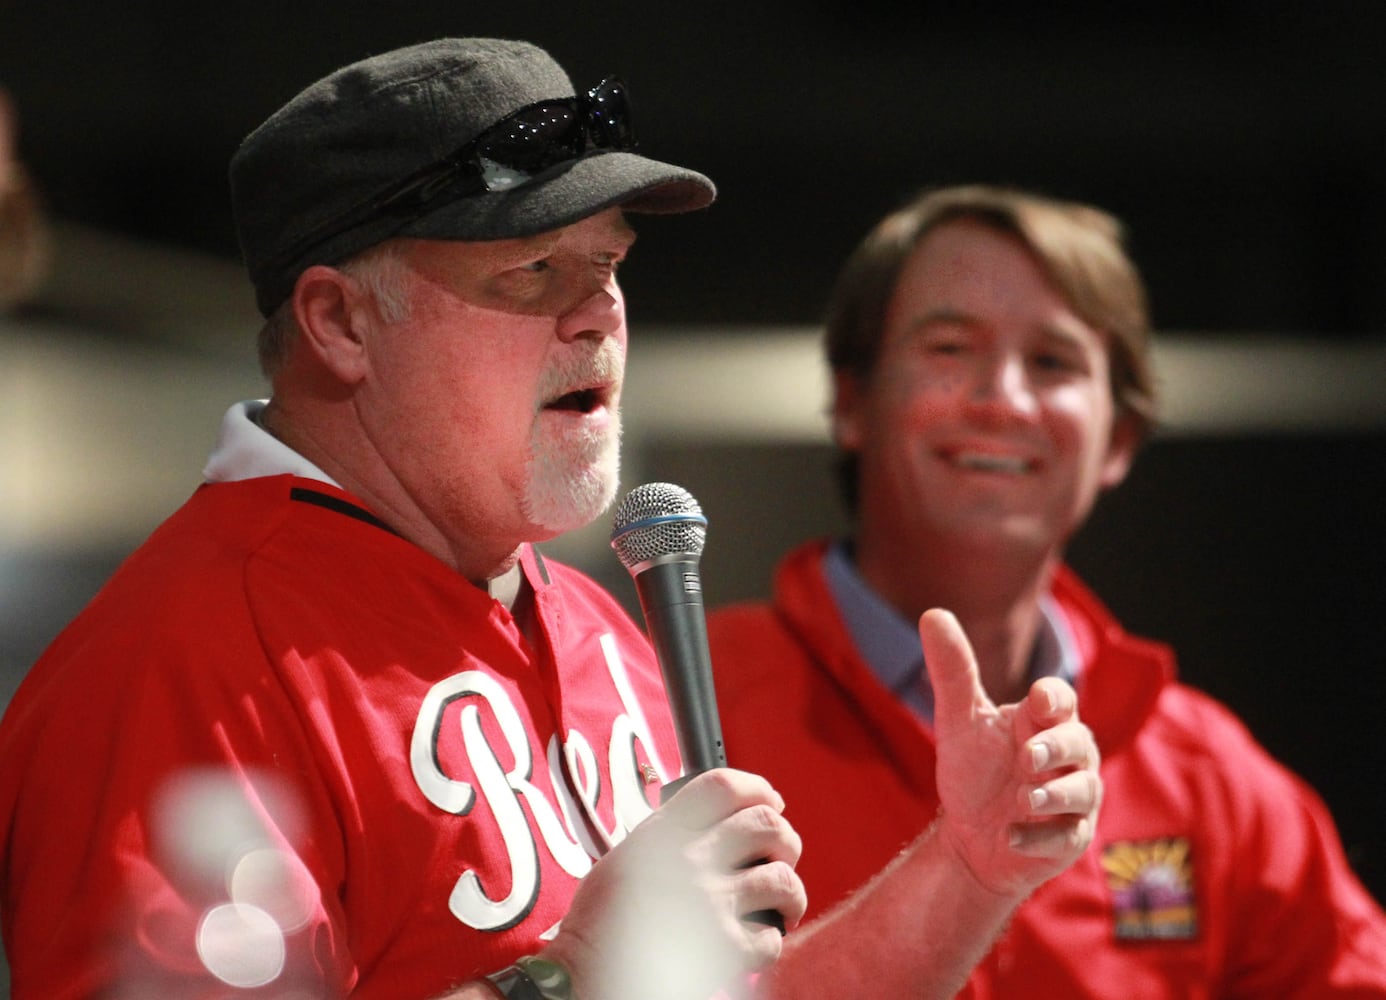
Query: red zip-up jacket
x=1215 y=872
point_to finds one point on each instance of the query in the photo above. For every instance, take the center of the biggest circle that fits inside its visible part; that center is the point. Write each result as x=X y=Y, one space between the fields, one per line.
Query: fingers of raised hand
x=1062 y=805
x=1061 y=838
x=1077 y=793
x=952 y=669
x=1065 y=746
x=1064 y=760
x=1049 y=702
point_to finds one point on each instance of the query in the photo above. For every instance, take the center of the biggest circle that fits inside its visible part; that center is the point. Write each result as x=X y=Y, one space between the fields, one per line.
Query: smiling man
x=992 y=372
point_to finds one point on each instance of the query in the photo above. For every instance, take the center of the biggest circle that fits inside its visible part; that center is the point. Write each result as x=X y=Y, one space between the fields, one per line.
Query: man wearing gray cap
x=338 y=728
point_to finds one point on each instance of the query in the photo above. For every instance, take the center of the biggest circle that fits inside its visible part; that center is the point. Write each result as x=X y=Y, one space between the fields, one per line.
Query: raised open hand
x=1018 y=784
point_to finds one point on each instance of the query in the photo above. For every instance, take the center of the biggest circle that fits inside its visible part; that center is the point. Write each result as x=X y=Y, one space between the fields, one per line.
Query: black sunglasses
x=516 y=150
x=523 y=145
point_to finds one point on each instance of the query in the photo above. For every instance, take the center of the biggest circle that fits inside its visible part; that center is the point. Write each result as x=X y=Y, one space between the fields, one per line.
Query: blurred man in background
x=992 y=378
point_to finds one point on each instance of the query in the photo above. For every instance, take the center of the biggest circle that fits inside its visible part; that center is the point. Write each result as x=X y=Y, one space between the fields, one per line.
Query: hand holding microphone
x=658 y=533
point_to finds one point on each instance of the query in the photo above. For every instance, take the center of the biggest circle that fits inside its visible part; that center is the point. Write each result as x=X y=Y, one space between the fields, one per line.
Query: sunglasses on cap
x=518 y=149
x=522 y=146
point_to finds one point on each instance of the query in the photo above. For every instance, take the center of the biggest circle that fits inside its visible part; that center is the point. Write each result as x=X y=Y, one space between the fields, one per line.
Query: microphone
x=658 y=533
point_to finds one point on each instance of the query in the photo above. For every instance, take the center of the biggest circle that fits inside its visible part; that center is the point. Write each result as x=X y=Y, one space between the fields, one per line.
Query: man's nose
x=1004 y=383
x=600 y=313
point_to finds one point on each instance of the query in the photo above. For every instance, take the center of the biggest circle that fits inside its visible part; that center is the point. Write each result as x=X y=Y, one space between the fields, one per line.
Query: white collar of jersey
x=245 y=450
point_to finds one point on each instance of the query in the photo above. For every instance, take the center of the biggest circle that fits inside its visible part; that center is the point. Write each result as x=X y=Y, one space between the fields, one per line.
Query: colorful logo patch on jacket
x=1152 y=889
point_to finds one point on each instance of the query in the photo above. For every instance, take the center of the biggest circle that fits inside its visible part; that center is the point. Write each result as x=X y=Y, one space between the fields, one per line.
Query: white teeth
x=993 y=463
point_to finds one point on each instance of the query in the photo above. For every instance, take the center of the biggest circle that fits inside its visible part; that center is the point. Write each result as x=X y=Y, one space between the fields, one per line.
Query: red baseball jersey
x=284 y=749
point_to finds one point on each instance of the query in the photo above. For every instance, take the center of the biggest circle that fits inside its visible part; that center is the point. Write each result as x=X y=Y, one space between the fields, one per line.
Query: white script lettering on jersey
x=563 y=835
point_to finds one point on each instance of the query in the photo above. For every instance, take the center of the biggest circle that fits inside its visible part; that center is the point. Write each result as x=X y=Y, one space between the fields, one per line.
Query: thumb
x=952 y=668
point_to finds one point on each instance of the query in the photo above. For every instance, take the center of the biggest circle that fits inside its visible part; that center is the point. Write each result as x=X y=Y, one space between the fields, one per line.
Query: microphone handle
x=671 y=599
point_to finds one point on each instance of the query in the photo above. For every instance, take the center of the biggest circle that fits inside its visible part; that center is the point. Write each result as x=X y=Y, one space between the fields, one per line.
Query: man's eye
x=943 y=346
x=1055 y=362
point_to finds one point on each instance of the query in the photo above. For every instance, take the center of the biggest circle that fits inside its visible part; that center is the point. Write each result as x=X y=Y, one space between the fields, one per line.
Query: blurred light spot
x=277 y=882
x=241 y=945
x=209 y=819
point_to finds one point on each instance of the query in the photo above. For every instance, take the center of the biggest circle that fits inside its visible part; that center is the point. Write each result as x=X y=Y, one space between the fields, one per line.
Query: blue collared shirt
x=889 y=643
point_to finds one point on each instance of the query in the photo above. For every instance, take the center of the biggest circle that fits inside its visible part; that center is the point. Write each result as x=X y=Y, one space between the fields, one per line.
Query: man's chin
x=572 y=503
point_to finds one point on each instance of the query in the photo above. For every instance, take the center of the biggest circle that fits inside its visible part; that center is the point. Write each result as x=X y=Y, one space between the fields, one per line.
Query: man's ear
x=333 y=317
x=1127 y=437
x=847 y=403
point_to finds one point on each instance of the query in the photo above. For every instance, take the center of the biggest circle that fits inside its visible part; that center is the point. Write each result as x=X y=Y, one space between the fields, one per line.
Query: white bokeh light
x=276 y=882
x=241 y=945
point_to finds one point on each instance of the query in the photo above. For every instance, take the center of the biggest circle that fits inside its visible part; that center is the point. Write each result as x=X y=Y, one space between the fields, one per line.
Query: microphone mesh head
x=657 y=519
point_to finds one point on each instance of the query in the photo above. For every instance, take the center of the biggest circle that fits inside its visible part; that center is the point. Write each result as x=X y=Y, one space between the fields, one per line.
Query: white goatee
x=573 y=479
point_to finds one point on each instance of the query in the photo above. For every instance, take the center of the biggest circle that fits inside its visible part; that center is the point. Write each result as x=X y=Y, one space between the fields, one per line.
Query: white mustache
x=604 y=364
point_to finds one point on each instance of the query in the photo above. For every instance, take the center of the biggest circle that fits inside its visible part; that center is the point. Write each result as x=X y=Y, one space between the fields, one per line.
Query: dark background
x=1243 y=143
